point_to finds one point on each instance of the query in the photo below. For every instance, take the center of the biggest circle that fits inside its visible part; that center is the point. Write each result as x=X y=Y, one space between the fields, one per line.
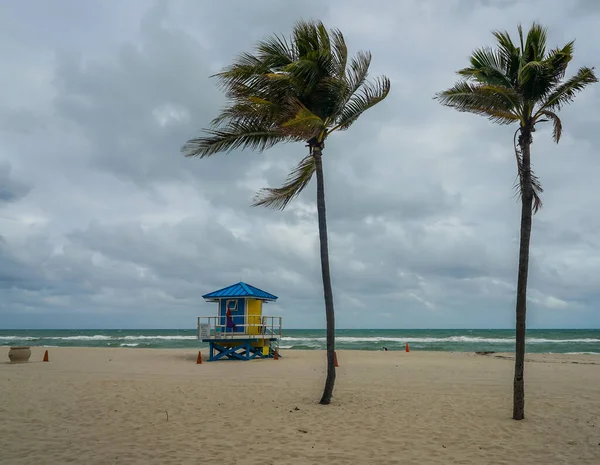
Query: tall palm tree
x=523 y=84
x=300 y=89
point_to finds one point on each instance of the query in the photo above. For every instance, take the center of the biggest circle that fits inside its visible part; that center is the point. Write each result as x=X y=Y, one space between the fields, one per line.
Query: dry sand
x=154 y=406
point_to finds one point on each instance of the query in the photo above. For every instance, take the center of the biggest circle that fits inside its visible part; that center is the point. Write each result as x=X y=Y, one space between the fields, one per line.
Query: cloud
x=103 y=223
x=10 y=189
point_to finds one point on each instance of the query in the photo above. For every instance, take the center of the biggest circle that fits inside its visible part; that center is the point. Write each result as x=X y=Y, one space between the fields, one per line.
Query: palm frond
x=369 y=95
x=339 y=51
x=328 y=97
x=255 y=108
x=313 y=43
x=558 y=60
x=244 y=68
x=537 y=75
x=488 y=67
x=306 y=36
x=535 y=45
x=510 y=56
x=297 y=180
x=306 y=72
x=556 y=123
x=358 y=72
x=236 y=134
x=537 y=79
x=506 y=47
x=530 y=71
x=521 y=38
x=566 y=92
x=498 y=104
x=324 y=41
x=303 y=124
x=355 y=76
x=275 y=52
x=519 y=186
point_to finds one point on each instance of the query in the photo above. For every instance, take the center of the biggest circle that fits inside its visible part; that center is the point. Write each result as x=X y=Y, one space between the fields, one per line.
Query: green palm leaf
x=369 y=95
x=510 y=56
x=304 y=124
x=297 y=180
x=556 y=123
x=275 y=52
x=487 y=66
x=498 y=104
x=565 y=93
x=339 y=53
x=235 y=135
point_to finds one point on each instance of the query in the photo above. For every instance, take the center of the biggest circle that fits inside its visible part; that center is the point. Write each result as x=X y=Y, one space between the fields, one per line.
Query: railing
x=210 y=327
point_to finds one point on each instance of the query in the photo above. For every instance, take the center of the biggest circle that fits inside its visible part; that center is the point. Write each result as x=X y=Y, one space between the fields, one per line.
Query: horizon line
x=303 y=329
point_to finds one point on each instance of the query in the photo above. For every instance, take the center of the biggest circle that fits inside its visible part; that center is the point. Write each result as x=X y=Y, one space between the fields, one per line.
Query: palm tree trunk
x=521 y=310
x=327 y=291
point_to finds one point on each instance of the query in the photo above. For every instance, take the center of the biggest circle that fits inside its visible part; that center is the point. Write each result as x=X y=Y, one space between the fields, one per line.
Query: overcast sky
x=104 y=224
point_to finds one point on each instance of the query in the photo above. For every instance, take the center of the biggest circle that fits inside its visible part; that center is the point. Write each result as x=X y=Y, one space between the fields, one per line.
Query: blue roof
x=240 y=290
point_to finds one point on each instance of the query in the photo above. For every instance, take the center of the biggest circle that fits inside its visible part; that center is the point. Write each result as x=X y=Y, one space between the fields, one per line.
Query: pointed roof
x=239 y=290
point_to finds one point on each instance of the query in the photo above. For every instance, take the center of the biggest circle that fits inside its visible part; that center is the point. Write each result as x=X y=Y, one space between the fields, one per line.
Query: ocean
x=559 y=341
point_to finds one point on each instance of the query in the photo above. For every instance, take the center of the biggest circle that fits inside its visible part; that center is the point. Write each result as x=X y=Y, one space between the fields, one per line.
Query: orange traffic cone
x=276 y=355
x=46 y=356
x=199 y=359
x=407 y=349
x=335 y=362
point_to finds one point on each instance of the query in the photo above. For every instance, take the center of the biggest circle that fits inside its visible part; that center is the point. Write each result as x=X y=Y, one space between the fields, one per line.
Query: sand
x=154 y=406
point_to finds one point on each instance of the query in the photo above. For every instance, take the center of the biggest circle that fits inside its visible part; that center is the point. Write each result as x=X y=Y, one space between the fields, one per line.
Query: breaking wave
x=466 y=339
x=539 y=341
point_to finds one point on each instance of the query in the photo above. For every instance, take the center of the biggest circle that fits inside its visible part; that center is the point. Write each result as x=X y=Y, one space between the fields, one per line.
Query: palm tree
x=297 y=90
x=522 y=84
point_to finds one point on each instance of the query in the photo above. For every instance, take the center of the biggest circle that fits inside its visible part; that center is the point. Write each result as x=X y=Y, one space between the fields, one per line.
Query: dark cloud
x=103 y=223
x=10 y=189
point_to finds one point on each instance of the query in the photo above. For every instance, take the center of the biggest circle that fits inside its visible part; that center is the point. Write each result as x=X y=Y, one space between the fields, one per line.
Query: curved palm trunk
x=327 y=291
x=521 y=310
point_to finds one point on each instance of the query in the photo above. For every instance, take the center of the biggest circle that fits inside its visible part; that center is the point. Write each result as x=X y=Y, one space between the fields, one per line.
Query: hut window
x=232 y=305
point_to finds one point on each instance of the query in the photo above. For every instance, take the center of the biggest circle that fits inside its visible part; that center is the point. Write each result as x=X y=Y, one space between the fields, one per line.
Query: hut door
x=237 y=309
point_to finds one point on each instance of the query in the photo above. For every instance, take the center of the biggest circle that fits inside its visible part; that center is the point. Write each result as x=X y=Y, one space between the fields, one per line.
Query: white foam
x=129 y=345
x=469 y=339
x=161 y=338
x=97 y=337
x=551 y=341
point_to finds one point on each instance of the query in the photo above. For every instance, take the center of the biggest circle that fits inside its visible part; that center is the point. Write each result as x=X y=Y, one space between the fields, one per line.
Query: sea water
x=455 y=340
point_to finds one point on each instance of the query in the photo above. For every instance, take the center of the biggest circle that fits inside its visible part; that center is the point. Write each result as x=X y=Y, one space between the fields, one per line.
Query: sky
x=104 y=224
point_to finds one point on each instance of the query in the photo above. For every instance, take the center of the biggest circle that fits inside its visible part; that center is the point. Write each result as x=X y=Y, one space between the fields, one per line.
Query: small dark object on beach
x=487 y=352
x=385 y=348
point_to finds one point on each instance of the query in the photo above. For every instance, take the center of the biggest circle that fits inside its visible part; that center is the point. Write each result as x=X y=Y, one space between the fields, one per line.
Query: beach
x=157 y=406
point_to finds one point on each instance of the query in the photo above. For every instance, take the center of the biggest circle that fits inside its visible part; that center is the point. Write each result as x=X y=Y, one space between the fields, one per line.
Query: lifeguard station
x=240 y=331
